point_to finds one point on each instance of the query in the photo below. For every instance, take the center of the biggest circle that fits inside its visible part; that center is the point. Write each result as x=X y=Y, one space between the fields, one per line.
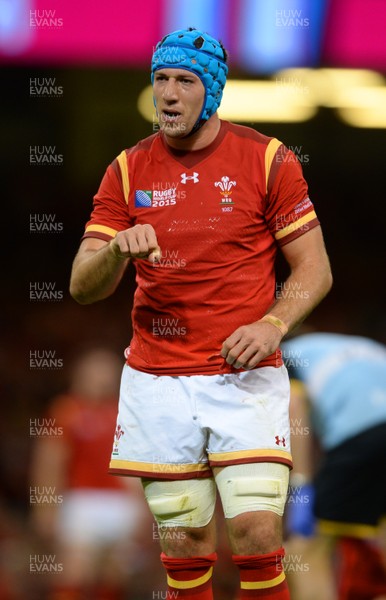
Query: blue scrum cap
x=199 y=53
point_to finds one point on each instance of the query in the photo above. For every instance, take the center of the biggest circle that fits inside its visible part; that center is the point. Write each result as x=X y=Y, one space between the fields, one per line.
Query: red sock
x=262 y=576
x=189 y=578
x=361 y=573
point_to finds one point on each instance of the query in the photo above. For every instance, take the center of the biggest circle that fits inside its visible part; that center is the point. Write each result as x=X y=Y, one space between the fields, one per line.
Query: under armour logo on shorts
x=279 y=441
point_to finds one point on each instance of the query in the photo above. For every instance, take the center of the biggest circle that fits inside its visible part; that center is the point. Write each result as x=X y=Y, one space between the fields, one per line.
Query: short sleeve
x=289 y=210
x=110 y=210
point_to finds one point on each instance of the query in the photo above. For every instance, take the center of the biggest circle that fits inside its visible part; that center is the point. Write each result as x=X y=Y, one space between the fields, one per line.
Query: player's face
x=179 y=96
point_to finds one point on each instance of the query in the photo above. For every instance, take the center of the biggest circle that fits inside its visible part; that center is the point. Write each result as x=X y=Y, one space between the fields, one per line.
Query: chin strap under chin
x=195 y=128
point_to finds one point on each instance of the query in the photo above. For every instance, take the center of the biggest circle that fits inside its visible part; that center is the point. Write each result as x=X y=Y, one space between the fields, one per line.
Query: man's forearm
x=96 y=274
x=301 y=293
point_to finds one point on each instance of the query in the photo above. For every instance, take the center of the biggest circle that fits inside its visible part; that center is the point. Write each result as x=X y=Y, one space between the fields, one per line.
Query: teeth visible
x=170 y=116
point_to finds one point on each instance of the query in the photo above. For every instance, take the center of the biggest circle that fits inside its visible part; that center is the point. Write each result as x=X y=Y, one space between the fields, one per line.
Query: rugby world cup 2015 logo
x=143 y=198
x=156 y=197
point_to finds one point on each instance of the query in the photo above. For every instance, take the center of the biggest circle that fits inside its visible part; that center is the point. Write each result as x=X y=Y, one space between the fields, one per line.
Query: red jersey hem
x=217 y=369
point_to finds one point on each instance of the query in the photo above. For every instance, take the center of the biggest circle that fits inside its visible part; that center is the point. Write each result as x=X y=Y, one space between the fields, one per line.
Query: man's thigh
x=158 y=435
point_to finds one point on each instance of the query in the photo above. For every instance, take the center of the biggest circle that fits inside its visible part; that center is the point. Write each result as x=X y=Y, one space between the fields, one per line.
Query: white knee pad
x=251 y=487
x=182 y=503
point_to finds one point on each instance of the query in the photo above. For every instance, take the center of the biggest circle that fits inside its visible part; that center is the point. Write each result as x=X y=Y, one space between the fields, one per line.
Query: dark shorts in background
x=350 y=488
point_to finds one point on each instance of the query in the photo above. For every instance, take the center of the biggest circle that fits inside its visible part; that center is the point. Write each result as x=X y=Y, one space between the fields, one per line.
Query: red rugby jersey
x=88 y=432
x=219 y=214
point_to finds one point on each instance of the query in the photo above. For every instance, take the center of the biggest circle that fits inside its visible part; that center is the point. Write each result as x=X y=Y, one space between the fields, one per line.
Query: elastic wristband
x=276 y=322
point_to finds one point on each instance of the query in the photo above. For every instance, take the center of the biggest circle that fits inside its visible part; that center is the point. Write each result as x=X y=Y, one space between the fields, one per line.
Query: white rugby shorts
x=98 y=517
x=171 y=427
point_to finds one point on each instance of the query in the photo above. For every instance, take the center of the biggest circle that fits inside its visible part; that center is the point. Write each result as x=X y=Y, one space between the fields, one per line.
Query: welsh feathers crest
x=225 y=185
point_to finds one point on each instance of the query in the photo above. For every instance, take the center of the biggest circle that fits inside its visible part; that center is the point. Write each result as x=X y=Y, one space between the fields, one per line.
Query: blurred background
x=74 y=93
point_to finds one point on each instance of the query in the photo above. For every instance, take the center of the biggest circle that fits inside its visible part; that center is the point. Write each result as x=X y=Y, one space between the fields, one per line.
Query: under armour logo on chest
x=185 y=177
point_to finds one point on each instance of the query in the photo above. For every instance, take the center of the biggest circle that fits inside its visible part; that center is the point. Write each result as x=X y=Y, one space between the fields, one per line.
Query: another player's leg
x=253 y=498
x=349 y=503
x=362 y=573
x=184 y=514
x=309 y=565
